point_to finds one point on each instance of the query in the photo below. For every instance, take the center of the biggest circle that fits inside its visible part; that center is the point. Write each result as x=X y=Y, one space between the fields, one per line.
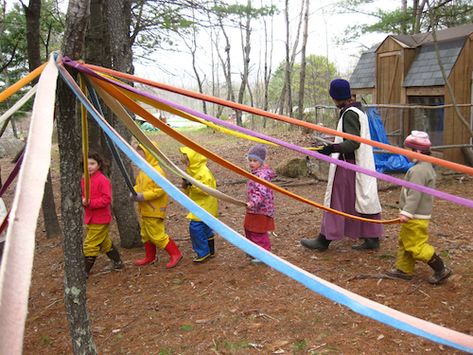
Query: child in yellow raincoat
x=152 y=203
x=202 y=237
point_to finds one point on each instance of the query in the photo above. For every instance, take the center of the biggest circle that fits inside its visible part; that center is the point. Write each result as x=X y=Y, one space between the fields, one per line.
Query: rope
x=358 y=304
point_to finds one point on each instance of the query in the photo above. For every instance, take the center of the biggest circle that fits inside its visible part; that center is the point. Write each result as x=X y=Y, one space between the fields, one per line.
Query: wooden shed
x=404 y=69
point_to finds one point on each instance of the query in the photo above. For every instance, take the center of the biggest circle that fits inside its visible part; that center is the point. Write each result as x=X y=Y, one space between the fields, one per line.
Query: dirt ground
x=230 y=306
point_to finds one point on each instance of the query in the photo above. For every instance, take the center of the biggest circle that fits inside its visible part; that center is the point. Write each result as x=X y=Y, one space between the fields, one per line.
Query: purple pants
x=261 y=239
x=336 y=227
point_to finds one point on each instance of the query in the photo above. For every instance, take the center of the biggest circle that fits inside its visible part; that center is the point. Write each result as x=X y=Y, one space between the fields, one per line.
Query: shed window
x=428 y=120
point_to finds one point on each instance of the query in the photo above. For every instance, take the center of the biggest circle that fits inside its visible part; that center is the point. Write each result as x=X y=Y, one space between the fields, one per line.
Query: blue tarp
x=384 y=162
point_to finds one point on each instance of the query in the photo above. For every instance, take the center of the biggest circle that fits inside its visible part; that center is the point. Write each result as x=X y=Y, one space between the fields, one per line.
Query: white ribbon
x=17 y=263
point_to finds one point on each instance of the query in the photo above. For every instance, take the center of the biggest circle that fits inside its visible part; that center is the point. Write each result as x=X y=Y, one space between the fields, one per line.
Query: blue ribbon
x=325 y=289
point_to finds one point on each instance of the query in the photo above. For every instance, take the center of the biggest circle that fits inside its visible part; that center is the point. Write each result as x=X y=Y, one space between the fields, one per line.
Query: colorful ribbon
x=335 y=293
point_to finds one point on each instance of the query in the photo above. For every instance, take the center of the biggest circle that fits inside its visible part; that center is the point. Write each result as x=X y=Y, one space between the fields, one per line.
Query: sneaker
x=201 y=259
x=399 y=274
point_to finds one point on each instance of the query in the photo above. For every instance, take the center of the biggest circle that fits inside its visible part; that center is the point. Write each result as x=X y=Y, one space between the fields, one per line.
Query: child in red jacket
x=97 y=216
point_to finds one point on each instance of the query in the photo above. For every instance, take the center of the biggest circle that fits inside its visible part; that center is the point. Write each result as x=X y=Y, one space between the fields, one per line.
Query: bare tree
x=192 y=46
x=226 y=63
x=417 y=11
x=75 y=297
x=285 y=99
x=268 y=63
x=305 y=33
x=246 y=49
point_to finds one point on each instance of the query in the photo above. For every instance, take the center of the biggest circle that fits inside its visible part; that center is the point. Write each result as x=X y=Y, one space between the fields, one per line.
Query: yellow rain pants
x=413 y=245
x=97 y=240
x=152 y=229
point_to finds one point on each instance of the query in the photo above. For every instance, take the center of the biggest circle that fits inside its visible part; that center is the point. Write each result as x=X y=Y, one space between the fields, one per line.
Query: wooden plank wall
x=389 y=76
x=460 y=80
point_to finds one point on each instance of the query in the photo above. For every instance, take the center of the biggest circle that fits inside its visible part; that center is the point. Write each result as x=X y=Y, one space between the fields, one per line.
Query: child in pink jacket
x=259 y=218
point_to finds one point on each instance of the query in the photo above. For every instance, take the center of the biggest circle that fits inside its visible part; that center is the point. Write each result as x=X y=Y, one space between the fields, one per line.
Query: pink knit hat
x=418 y=140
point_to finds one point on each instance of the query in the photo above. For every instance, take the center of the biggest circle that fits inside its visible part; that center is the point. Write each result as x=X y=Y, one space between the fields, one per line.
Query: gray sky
x=324 y=27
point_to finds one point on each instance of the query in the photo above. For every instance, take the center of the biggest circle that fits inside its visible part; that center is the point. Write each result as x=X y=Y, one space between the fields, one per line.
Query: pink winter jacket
x=98 y=211
x=259 y=196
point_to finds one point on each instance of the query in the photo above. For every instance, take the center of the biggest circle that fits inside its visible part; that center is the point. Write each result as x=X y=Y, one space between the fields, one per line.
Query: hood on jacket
x=196 y=160
x=148 y=156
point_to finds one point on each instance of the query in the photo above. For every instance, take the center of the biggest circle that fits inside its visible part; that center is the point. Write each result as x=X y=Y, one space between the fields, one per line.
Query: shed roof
x=364 y=74
x=447 y=34
x=425 y=70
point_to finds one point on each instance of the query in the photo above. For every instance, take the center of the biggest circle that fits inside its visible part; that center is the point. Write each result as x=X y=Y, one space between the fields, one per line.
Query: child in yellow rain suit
x=416 y=210
x=202 y=237
x=152 y=203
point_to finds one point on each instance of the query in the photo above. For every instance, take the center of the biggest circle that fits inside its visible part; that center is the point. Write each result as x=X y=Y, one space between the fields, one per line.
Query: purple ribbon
x=13 y=174
x=410 y=185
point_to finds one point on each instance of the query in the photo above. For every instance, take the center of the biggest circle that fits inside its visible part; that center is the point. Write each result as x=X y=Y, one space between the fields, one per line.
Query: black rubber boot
x=319 y=243
x=441 y=272
x=114 y=255
x=368 y=244
x=89 y=262
x=211 y=242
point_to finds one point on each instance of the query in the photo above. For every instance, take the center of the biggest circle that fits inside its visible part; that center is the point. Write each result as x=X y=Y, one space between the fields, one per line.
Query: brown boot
x=441 y=272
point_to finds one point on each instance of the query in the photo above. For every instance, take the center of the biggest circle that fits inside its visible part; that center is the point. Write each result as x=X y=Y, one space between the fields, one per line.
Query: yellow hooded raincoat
x=155 y=199
x=198 y=170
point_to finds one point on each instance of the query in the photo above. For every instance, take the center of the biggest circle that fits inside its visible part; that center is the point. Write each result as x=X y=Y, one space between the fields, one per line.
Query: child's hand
x=139 y=197
x=85 y=203
x=403 y=218
x=249 y=205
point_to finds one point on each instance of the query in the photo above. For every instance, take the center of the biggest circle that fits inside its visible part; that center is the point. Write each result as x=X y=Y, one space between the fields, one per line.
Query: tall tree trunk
x=226 y=65
x=418 y=10
x=33 y=16
x=246 y=49
x=404 y=12
x=268 y=63
x=286 y=93
x=287 y=68
x=305 y=34
x=69 y=149
x=119 y=21
x=193 y=49
x=96 y=47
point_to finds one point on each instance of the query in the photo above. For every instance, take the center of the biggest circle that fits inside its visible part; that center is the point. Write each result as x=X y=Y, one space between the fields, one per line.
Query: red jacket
x=98 y=211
